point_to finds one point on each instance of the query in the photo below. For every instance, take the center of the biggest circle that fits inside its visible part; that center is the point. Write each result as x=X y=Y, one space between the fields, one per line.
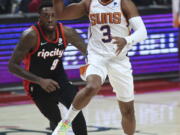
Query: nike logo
x=59 y=44
x=43 y=43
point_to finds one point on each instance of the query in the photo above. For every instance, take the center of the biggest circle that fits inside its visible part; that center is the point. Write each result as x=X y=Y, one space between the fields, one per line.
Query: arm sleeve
x=140 y=32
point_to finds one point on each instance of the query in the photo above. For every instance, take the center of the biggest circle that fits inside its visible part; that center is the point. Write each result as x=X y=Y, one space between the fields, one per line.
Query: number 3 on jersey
x=54 y=64
x=106 y=33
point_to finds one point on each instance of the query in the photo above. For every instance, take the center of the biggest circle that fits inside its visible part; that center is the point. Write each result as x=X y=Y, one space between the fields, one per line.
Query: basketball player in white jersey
x=109 y=42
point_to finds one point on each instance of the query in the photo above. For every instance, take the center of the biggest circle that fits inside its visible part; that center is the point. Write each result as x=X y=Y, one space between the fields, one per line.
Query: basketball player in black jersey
x=41 y=47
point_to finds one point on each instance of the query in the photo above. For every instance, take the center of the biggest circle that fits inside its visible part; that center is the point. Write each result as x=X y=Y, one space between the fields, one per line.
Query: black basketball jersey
x=46 y=59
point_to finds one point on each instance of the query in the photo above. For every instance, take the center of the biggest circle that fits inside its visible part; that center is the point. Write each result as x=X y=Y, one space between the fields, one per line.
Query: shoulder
x=129 y=8
x=126 y=1
x=86 y=4
x=29 y=39
x=30 y=33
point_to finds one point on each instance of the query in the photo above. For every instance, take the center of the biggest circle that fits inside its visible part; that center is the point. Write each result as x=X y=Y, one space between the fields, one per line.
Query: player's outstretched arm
x=74 y=38
x=72 y=11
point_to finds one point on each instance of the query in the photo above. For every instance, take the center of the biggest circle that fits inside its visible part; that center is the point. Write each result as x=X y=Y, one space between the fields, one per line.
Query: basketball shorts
x=117 y=69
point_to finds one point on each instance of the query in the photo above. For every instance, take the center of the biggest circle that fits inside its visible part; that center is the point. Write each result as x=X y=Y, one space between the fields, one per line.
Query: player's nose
x=50 y=19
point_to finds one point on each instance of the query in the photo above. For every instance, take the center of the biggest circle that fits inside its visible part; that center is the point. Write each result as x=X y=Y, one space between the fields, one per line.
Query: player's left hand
x=120 y=42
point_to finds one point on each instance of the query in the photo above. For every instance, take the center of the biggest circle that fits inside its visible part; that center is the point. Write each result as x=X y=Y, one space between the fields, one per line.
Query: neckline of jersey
x=105 y=4
x=46 y=38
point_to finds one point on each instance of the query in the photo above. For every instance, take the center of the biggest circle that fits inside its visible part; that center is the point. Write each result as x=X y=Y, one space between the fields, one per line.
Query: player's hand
x=120 y=42
x=48 y=85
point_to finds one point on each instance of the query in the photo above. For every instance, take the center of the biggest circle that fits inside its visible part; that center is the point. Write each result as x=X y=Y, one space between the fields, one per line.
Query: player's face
x=47 y=18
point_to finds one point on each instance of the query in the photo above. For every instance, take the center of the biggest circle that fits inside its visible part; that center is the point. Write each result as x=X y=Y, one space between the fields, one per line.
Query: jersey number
x=54 y=64
x=106 y=33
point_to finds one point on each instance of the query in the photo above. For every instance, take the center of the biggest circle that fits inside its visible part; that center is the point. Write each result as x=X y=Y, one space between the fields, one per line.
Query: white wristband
x=139 y=34
x=129 y=40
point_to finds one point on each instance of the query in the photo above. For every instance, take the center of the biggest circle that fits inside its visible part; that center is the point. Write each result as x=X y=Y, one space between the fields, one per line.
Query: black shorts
x=48 y=105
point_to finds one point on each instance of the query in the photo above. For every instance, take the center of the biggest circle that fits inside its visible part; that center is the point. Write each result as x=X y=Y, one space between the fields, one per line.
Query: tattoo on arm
x=25 y=45
x=74 y=38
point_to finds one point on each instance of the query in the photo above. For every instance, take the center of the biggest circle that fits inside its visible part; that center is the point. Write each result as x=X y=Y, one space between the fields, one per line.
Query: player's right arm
x=72 y=11
x=26 y=44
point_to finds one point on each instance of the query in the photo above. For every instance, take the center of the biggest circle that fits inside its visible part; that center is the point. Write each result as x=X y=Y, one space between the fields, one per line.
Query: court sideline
x=157 y=114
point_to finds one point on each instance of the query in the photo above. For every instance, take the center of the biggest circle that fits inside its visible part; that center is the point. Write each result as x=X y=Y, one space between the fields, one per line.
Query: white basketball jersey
x=106 y=21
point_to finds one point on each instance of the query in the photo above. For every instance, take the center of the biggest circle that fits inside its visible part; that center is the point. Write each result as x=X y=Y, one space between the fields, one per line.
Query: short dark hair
x=45 y=3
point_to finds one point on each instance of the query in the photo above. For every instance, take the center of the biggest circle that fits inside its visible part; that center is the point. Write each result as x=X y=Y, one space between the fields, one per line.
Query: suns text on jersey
x=104 y=18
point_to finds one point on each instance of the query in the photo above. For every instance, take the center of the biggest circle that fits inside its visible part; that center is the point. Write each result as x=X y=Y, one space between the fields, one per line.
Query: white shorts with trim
x=119 y=72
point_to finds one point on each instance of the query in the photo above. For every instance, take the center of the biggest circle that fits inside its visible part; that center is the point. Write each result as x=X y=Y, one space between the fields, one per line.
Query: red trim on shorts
x=62 y=34
x=46 y=38
x=83 y=69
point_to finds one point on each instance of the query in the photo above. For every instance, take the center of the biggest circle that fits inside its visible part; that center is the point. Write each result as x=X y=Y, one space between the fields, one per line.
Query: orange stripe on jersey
x=83 y=69
x=63 y=36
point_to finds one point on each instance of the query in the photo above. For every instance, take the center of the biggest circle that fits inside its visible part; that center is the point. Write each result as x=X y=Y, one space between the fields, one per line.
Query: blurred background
x=31 y=6
x=154 y=58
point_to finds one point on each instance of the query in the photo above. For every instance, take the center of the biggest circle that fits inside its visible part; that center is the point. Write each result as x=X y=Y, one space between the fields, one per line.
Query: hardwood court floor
x=157 y=114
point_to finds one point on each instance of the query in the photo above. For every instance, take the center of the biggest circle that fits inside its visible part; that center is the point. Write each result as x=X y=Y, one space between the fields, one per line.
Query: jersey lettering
x=104 y=18
x=56 y=52
x=54 y=64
